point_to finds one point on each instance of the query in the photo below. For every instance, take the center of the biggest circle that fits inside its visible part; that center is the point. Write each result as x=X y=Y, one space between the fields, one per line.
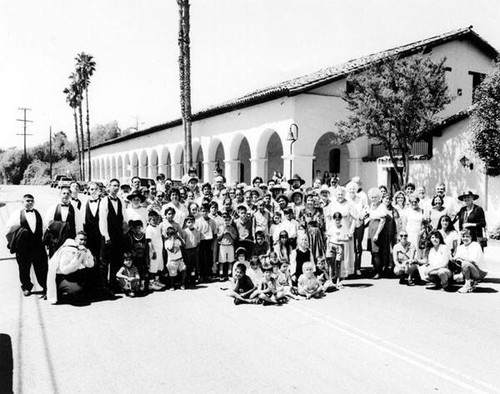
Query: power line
x=24 y=120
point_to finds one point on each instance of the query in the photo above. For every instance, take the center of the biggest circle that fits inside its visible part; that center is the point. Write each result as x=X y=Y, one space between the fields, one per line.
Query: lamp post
x=293 y=135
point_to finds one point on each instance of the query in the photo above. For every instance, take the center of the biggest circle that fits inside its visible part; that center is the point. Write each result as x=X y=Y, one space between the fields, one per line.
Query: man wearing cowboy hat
x=296 y=182
x=472 y=216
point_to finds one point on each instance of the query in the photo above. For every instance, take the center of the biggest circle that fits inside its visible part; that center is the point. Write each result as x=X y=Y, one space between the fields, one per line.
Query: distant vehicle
x=144 y=181
x=65 y=181
x=55 y=182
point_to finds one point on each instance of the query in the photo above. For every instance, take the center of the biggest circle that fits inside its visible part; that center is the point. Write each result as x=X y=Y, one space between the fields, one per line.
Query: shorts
x=226 y=254
x=335 y=251
x=175 y=266
x=156 y=265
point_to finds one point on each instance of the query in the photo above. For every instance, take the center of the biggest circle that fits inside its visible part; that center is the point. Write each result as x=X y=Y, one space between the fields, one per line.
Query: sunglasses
x=404 y=235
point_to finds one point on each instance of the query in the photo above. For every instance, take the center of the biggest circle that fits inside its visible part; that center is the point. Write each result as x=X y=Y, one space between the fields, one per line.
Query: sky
x=237 y=46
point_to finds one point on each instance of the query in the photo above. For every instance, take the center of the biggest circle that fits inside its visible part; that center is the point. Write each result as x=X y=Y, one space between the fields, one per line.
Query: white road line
x=411 y=357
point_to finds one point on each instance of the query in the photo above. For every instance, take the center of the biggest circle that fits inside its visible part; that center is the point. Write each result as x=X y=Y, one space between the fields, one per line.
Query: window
x=334 y=161
x=477 y=78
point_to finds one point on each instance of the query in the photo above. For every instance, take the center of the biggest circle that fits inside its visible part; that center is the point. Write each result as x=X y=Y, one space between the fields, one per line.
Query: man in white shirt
x=450 y=203
x=25 y=226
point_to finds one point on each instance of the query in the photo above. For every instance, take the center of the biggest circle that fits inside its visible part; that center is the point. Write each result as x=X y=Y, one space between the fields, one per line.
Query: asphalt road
x=371 y=337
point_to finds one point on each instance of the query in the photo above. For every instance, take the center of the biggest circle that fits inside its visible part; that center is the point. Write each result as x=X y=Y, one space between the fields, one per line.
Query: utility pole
x=24 y=120
x=50 y=151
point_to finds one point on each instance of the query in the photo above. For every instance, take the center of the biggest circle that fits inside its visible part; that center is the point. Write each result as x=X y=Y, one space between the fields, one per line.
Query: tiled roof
x=319 y=78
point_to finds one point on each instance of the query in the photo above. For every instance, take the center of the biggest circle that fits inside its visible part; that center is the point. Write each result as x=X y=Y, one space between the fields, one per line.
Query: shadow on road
x=358 y=285
x=6 y=364
x=491 y=280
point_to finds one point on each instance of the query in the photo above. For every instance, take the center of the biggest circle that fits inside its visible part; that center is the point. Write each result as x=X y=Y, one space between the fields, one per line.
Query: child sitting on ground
x=175 y=262
x=284 y=280
x=267 y=291
x=242 y=286
x=337 y=240
x=155 y=244
x=255 y=272
x=273 y=260
x=324 y=276
x=128 y=276
x=308 y=284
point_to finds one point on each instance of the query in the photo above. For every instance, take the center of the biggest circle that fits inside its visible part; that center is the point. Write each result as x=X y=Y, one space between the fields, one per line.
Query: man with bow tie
x=63 y=221
x=112 y=218
x=74 y=188
x=27 y=224
x=90 y=216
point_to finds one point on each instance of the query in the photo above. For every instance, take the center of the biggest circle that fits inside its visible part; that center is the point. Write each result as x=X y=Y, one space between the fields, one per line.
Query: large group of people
x=273 y=241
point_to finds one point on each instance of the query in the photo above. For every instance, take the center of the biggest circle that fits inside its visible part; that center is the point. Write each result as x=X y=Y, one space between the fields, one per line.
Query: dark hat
x=468 y=194
x=135 y=194
x=296 y=177
x=135 y=223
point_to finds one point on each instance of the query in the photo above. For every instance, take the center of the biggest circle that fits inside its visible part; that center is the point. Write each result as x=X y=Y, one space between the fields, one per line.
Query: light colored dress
x=413 y=220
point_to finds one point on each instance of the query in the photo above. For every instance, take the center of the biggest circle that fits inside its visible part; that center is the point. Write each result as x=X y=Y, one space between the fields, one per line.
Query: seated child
x=128 y=276
x=308 y=284
x=175 y=262
x=337 y=239
x=273 y=260
x=324 y=276
x=226 y=238
x=241 y=258
x=267 y=290
x=155 y=243
x=242 y=286
x=255 y=273
x=284 y=281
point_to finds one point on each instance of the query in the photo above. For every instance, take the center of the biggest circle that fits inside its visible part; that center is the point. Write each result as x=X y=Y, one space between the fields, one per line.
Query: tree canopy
x=395 y=102
x=485 y=122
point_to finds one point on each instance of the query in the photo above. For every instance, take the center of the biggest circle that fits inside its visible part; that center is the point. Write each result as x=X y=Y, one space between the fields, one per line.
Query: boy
x=291 y=226
x=191 y=236
x=241 y=258
x=155 y=244
x=208 y=231
x=261 y=246
x=337 y=238
x=284 y=281
x=175 y=263
x=242 y=287
x=324 y=276
x=226 y=238
x=138 y=247
x=244 y=227
x=170 y=222
x=128 y=276
x=308 y=284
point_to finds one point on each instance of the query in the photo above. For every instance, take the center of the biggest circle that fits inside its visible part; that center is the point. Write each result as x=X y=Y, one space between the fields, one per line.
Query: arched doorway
x=153 y=165
x=165 y=162
x=199 y=163
x=119 y=167
x=219 y=158
x=331 y=157
x=274 y=155
x=244 y=159
x=134 y=165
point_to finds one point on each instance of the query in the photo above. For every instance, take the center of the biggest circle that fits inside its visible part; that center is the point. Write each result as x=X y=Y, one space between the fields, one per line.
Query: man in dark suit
x=29 y=248
x=90 y=216
x=111 y=224
x=472 y=216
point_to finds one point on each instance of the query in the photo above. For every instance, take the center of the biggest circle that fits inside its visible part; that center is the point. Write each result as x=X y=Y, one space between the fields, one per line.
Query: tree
x=485 y=122
x=85 y=67
x=73 y=98
x=185 y=80
x=395 y=102
x=13 y=163
x=101 y=133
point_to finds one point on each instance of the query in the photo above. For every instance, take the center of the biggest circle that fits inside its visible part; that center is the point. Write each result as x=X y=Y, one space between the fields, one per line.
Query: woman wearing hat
x=471 y=216
x=136 y=211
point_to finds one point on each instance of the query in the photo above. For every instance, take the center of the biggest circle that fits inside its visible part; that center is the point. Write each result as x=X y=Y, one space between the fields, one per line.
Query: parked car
x=65 y=181
x=55 y=182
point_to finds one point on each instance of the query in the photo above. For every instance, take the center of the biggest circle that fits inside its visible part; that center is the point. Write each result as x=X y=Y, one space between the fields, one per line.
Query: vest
x=115 y=222
x=91 y=226
x=36 y=237
x=70 y=220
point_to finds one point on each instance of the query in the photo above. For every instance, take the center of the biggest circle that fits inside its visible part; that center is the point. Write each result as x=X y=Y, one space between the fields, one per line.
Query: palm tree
x=73 y=98
x=185 y=80
x=85 y=67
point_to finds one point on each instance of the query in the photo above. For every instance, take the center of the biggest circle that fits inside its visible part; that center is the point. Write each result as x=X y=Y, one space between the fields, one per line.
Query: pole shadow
x=6 y=365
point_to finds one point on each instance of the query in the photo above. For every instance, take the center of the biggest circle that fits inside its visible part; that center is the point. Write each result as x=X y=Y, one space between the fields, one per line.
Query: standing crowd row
x=276 y=240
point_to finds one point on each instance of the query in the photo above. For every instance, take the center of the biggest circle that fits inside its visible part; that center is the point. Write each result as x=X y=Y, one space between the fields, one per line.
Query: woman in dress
x=377 y=233
x=413 y=223
x=393 y=226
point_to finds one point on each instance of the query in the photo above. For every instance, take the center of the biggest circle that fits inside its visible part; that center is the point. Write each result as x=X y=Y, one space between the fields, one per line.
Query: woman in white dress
x=413 y=220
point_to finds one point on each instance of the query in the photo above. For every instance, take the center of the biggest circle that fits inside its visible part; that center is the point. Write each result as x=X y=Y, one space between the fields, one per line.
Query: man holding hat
x=471 y=216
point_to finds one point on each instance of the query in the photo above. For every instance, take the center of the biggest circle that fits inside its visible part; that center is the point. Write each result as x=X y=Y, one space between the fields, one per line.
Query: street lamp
x=292 y=136
x=466 y=163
